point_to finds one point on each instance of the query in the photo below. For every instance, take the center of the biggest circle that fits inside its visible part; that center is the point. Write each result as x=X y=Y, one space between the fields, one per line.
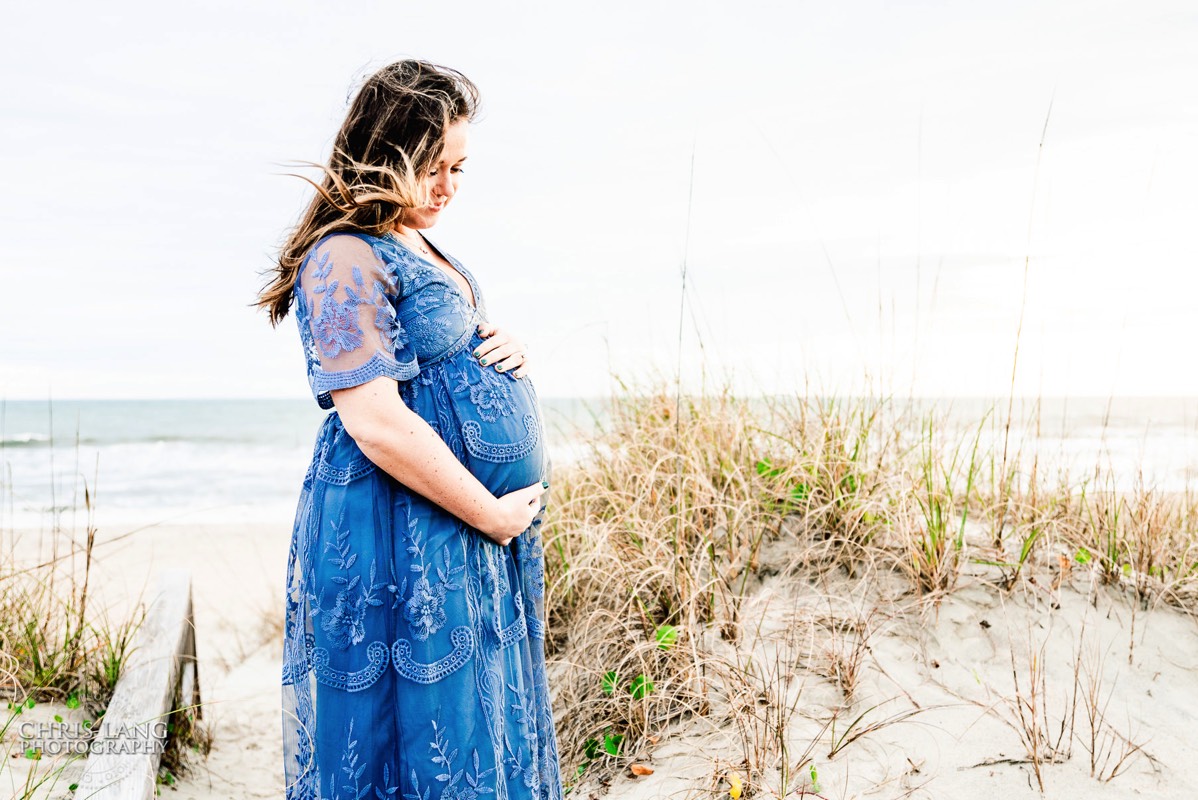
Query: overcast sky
x=867 y=207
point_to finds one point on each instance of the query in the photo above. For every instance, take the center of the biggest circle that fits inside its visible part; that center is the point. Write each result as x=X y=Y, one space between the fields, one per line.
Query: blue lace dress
x=413 y=657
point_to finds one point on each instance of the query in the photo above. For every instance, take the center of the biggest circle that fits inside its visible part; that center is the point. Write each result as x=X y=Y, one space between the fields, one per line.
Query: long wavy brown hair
x=393 y=134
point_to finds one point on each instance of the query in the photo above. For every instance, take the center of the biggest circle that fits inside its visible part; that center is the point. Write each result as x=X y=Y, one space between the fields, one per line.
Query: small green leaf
x=58 y=717
x=1082 y=556
x=640 y=687
x=609 y=682
x=30 y=702
x=764 y=467
x=611 y=743
x=799 y=492
x=1127 y=569
x=87 y=723
x=73 y=700
x=1028 y=543
x=665 y=635
x=591 y=748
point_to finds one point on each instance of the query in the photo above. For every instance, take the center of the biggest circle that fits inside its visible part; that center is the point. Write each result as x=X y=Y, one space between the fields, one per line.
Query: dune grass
x=684 y=504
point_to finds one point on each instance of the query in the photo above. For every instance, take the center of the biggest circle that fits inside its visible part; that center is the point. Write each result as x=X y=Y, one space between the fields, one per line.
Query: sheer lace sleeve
x=346 y=298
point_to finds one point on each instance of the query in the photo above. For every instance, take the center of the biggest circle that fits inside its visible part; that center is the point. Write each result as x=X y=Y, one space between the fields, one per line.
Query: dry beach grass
x=745 y=582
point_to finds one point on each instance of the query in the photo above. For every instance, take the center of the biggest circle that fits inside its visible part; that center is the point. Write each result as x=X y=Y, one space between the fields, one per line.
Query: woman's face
x=442 y=179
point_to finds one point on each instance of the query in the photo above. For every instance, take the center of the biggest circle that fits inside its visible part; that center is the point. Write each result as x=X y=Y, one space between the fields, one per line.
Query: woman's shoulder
x=349 y=239
x=357 y=247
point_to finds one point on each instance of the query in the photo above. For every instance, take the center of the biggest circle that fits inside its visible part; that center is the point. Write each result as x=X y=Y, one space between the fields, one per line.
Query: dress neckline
x=453 y=263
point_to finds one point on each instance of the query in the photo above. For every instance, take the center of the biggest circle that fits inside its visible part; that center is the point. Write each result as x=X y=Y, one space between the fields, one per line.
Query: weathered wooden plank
x=124 y=756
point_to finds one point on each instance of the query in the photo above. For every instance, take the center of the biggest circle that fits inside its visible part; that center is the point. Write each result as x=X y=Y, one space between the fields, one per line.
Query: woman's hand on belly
x=501 y=350
x=516 y=512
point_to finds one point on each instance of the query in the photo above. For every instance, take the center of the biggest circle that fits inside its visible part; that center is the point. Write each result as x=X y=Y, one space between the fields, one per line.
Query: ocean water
x=179 y=461
x=182 y=461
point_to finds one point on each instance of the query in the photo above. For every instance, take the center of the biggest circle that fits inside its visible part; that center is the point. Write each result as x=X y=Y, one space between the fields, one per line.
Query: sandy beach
x=237 y=583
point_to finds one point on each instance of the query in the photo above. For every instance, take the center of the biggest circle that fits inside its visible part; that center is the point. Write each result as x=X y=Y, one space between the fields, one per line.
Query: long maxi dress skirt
x=413 y=659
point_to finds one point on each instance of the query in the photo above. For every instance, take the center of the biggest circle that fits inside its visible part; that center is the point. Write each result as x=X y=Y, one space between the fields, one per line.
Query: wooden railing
x=160 y=677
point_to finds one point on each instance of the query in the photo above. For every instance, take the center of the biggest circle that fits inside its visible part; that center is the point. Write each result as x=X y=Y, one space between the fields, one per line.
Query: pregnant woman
x=413 y=654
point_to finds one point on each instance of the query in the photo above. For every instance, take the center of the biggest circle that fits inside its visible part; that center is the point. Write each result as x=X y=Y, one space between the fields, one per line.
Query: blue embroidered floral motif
x=425 y=610
x=350 y=768
x=455 y=788
x=393 y=333
x=491 y=396
x=489 y=393
x=494 y=570
x=305 y=783
x=533 y=556
x=415 y=793
x=344 y=622
x=336 y=327
x=519 y=769
x=388 y=789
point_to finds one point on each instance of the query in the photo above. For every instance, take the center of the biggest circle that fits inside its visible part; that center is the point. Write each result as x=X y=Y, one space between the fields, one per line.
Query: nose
x=442 y=186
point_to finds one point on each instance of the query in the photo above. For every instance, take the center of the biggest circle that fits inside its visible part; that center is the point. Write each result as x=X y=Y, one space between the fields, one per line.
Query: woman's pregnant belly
x=496 y=416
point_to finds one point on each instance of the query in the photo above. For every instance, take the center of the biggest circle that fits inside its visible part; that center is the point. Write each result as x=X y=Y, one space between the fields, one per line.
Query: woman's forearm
x=401 y=443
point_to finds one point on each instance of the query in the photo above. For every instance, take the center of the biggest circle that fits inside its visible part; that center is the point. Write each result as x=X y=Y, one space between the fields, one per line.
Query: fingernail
x=499 y=367
x=544 y=484
x=477 y=353
x=484 y=362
